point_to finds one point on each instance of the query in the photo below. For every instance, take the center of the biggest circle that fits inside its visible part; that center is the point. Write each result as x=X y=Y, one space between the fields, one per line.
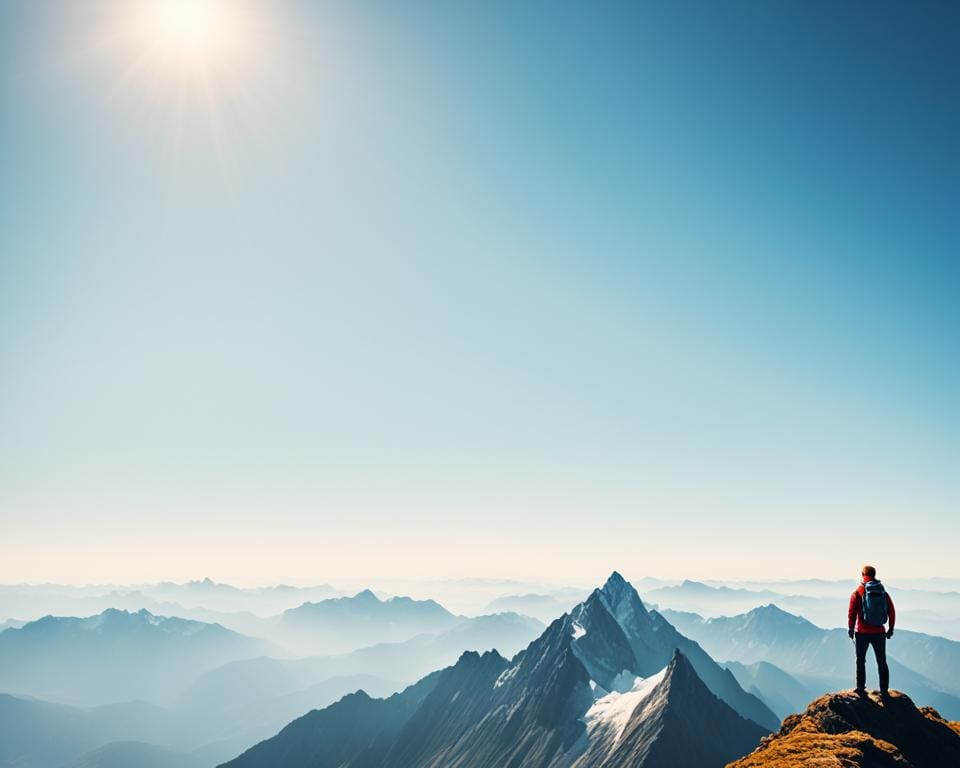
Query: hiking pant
x=879 y=643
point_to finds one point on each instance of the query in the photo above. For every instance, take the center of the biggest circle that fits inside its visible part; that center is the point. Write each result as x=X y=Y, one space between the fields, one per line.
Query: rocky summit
x=846 y=730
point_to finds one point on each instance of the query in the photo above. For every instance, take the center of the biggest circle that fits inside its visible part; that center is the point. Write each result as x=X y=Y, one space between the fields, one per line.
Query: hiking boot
x=862 y=692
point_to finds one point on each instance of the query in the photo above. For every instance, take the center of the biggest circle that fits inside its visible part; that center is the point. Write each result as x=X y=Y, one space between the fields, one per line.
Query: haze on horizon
x=309 y=292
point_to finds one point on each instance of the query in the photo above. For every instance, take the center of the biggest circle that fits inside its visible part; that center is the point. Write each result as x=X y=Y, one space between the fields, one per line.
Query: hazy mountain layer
x=823 y=603
x=134 y=754
x=823 y=659
x=115 y=656
x=38 y=734
x=340 y=625
x=783 y=693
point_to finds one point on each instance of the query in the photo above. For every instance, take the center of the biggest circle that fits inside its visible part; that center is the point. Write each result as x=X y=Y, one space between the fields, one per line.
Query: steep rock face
x=356 y=731
x=486 y=711
x=843 y=730
x=674 y=723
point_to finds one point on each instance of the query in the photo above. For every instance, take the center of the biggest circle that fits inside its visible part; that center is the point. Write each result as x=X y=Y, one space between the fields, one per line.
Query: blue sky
x=527 y=289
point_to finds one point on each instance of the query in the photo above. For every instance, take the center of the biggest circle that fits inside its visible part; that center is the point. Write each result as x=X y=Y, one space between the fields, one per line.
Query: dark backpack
x=874 y=603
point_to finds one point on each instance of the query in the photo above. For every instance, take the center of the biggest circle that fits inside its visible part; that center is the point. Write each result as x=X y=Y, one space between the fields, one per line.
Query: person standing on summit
x=870 y=608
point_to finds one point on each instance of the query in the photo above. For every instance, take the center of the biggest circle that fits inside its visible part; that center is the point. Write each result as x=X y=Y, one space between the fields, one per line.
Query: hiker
x=871 y=608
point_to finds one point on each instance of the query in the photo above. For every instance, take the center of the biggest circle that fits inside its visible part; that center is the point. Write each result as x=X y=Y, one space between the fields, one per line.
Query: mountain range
x=214 y=714
x=32 y=601
x=38 y=734
x=824 y=603
x=339 y=625
x=115 y=656
x=822 y=659
x=607 y=684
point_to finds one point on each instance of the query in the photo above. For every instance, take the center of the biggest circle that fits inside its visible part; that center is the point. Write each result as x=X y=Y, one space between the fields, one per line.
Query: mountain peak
x=865 y=731
x=367 y=595
x=623 y=602
x=615 y=581
x=616 y=588
x=773 y=613
x=680 y=673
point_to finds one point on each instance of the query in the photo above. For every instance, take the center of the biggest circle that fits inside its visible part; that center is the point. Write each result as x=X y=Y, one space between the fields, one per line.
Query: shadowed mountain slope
x=678 y=723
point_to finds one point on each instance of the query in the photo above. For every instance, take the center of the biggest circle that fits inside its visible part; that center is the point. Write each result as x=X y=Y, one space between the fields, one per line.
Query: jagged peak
x=623 y=602
x=615 y=581
x=359 y=694
x=679 y=668
x=471 y=658
x=616 y=588
x=367 y=595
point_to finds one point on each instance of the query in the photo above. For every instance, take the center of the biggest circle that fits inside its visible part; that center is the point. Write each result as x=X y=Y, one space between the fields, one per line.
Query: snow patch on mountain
x=609 y=715
x=505 y=676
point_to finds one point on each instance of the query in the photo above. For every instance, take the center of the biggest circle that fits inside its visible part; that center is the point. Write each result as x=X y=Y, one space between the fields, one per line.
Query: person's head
x=868 y=573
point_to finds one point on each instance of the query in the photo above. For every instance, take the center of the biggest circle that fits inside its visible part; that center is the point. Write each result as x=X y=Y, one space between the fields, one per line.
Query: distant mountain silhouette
x=31 y=601
x=560 y=701
x=543 y=607
x=822 y=659
x=844 y=729
x=115 y=656
x=135 y=754
x=38 y=734
x=11 y=624
x=783 y=693
x=824 y=603
x=231 y=724
x=343 y=624
x=697 y=596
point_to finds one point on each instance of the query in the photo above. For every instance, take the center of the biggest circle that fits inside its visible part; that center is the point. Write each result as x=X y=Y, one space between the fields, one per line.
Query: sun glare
x=191 y=35
x=190 y=76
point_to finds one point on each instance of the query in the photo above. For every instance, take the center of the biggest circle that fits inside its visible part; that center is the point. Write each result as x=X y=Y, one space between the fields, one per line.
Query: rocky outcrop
x=844 y=730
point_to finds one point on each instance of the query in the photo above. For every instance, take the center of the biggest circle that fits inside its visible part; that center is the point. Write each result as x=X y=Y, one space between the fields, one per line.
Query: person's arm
x=891 y=615
x=852 y=613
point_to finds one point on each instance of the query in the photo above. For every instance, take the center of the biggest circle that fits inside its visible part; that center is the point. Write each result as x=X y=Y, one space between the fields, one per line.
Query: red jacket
x=855 y=615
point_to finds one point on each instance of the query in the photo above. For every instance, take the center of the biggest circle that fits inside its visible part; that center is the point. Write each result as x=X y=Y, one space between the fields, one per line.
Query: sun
x=190 y=36
x=191 y=29
x=191 y=76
